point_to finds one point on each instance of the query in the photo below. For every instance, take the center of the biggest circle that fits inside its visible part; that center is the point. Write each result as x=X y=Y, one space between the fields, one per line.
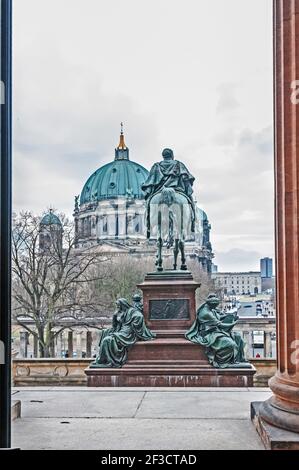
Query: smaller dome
x=50 y=219
x=201 y=214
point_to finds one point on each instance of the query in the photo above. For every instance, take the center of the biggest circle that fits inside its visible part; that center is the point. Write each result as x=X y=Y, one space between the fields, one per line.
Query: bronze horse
x=170 y=219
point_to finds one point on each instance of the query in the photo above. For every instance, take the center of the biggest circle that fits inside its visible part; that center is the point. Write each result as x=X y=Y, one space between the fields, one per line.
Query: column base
x=282 y=409
x=273 y=438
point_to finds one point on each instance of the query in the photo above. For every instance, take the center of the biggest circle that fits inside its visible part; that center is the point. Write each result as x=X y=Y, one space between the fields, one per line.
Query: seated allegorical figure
x=128 y=327
x=213 y=330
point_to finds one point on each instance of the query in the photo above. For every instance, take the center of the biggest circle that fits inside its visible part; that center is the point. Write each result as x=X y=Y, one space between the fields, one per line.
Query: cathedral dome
x=117 y=178
x=50 y=219
x=121 y=177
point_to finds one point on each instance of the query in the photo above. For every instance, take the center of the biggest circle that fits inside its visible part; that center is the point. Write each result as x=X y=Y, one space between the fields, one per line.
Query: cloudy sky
x=192 y=75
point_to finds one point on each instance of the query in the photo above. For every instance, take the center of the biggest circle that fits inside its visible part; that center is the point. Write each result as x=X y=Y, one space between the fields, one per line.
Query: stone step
x=169 y=376
x=168 y=365
x=170 y=333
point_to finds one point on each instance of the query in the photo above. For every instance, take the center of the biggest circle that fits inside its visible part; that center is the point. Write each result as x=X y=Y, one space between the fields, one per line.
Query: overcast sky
x=192 y=75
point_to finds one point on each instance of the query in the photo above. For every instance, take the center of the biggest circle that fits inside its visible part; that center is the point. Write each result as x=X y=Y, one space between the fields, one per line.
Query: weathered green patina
x=137 y=302
x=128 y=327
x=213 y=330
x=50 y=219
x=169 y=173
x=170 y=209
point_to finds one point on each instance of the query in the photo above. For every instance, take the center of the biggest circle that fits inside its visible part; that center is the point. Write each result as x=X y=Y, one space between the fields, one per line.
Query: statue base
x=170 y=360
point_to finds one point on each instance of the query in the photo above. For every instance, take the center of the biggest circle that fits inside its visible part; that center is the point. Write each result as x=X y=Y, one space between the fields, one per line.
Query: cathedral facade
x=110 y=213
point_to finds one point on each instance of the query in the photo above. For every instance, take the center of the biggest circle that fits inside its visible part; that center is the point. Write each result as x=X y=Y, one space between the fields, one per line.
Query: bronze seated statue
x=128 y=326
x=213 y=330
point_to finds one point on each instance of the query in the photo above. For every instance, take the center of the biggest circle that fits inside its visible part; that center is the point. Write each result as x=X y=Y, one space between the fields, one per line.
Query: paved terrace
x=122 y=418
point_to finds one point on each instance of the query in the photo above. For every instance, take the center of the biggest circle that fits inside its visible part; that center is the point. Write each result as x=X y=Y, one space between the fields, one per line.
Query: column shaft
x=70 y=346
x=282 y=410
x=88 y=343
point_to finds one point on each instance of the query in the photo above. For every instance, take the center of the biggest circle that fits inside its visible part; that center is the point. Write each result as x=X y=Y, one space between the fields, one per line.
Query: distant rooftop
x=237 y=273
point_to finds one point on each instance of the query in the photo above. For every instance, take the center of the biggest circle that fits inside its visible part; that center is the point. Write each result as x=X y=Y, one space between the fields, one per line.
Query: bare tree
x=120 y=277
x=207 y=284
x=52 y=282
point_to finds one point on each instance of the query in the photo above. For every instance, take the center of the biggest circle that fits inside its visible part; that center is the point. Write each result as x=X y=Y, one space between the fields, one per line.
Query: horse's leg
x=183 y=258
x=159 y=255
x=159 y=243
x=170 y=229
x=181 y=240
x=175 y=253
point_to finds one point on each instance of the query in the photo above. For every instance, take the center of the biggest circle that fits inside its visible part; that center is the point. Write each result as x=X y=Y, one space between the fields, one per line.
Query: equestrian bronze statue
x=170 y=209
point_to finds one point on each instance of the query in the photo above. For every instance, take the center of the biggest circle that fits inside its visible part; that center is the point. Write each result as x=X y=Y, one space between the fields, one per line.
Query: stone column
x=58 y=345
x=70 y=346
x=111 y=222
x=267 y=344
x=79 y=344
x=88 y=343
x=35 y=346
x=122 y=225
x=282 y=409
x=24 y=343
x=52 y=345
x=247 y=337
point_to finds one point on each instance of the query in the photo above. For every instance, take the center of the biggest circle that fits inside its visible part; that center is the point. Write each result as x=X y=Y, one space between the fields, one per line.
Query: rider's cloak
x=170 y=174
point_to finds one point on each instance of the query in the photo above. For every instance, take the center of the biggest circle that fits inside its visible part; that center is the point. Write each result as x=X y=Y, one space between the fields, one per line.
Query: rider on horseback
x=168 y=180
x=169 y=173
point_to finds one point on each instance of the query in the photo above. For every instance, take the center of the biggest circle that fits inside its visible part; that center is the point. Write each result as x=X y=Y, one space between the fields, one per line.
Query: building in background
x=238 y=283
x=214 y=268
x=111 y=213
x=266 y=267
x=267 y=277
x=51 y=232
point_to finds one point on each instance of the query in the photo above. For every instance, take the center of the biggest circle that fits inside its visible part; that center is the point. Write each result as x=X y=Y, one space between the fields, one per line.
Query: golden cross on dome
x=122 y=144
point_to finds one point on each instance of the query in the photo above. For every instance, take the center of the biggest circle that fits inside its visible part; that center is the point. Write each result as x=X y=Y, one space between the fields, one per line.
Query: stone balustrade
x=70 y=372
x=49 y=371
x=84 y=343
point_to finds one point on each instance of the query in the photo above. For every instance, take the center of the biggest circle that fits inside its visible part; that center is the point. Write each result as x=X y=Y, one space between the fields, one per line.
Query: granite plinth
x=170 y=360
x=169 y=375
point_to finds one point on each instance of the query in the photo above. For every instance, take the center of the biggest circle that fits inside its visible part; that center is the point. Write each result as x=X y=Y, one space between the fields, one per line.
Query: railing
x=249 y=327
x=83 y=343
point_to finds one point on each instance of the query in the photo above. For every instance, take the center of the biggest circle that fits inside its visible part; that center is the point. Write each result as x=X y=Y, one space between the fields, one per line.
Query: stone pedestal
x=170 y=360
x=169 y=301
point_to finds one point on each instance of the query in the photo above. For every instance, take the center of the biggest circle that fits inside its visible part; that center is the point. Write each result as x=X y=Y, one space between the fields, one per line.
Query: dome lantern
x=121 y=151
x=119 y=178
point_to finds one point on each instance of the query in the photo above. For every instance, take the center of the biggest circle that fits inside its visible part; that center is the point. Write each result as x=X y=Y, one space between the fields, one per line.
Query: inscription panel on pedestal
x=169 y=309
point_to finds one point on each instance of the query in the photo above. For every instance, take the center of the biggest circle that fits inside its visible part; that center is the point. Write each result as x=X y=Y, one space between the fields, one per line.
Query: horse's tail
x=168 y=196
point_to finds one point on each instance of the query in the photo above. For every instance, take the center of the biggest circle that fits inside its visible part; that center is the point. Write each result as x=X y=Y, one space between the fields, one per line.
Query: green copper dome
x=121 y=177
x=50 y=219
